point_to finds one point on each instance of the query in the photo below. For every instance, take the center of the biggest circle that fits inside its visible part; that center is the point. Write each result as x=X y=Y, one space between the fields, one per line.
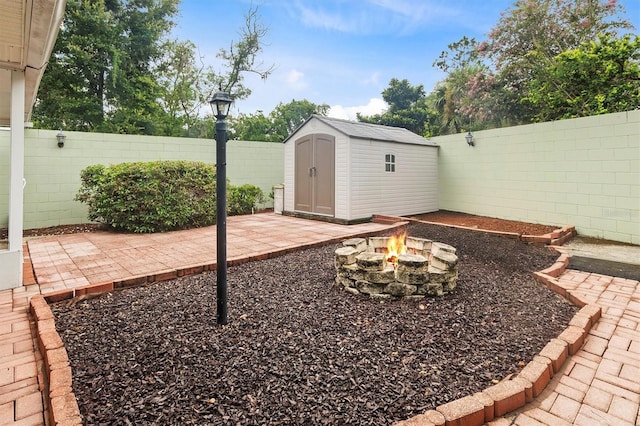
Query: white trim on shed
x=365 y=183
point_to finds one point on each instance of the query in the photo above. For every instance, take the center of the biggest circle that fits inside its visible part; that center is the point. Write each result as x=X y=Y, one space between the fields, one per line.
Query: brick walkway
x=20 y=363
x=70 y=262
x=600 y=385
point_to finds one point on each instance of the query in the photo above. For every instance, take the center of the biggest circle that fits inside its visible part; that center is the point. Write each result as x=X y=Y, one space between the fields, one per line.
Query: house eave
x=28 y=31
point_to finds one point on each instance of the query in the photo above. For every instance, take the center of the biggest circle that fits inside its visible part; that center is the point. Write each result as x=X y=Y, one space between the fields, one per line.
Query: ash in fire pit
x=397 y=266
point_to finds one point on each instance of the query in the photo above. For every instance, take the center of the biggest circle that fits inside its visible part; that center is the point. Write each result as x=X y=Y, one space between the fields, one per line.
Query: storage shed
x=345 y=171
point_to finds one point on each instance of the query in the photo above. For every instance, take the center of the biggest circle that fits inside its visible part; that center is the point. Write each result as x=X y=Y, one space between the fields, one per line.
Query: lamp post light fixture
x=220 y=103
x=469 y=138
x=61 y=138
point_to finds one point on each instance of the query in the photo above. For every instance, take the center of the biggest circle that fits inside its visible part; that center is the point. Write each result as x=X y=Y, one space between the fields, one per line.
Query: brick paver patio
x=599 y=385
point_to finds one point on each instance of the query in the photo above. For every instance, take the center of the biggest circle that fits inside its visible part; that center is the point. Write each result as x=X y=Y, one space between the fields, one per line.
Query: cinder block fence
x=583 y=172
x=52 y=174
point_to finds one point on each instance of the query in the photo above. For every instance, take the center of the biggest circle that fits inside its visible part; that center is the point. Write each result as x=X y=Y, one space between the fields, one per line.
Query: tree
x=527 y=39
x=407 y=108
x=600 y=77
x=465 y=98
x=460 y=54
x=401 y=95
x=188 y=83
x=72 y=93
x=488 y=83
x=242 y=58
x=446 y=99
x=288 y=117
x=113 y=70
x=252 y=127
x=98 y=77
x=133 y=105
x=181 y=79
x=279 y=124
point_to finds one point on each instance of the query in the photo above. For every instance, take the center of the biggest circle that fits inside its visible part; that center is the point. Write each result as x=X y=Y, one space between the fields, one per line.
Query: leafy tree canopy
x=407 y=108
x=512 y=77
x=460 y=54
x=288 y=117
x=98 y=77
x=113 y=70
x=401 y=95
x=279 y=124
x=600 y=77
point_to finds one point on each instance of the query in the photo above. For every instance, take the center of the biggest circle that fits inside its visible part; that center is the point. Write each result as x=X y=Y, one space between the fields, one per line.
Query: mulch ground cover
x=299 y=350
x=488 y=223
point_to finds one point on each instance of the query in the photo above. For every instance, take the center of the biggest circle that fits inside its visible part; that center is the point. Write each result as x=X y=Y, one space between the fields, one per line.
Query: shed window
x=389 y=163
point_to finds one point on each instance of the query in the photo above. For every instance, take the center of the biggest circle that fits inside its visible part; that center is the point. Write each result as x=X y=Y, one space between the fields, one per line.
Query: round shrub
x=243 y=199
x=150 y=196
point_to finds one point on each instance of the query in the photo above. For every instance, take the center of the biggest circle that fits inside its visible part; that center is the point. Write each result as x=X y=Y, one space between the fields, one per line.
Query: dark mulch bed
x=56 y=230
x=488 y=223
x=298 y=350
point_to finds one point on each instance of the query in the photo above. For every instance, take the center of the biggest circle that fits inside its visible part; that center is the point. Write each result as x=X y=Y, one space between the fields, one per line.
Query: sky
x=342 y=52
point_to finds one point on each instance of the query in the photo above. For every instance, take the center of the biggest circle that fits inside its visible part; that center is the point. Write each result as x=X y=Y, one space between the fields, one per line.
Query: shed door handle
x=312 y=171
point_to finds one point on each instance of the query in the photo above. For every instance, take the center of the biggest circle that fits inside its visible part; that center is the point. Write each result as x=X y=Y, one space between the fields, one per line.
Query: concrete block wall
x=52 y=174
x=583 y=172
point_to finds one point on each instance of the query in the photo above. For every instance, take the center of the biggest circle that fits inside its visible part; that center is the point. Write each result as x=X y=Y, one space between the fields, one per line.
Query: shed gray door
x=315 y=174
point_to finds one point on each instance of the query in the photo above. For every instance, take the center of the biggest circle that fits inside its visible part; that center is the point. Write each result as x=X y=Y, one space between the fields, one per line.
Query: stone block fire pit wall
x=427 y=268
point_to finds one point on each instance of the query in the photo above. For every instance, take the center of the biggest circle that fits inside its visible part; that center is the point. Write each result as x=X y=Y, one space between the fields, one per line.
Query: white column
x=16 y=161
x=13 y=259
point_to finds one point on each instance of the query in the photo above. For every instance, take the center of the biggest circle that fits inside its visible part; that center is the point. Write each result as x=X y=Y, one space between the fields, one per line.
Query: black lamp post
x=220 y=102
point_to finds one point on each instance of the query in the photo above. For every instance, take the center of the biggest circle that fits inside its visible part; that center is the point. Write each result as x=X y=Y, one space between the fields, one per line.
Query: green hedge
x=150 y=196
x=243 y=199
x=159 y=196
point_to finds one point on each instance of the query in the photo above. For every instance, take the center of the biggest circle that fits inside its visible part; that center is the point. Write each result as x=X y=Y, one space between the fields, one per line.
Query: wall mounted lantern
x=469 y=138
x=61 y=138
x=220 y=103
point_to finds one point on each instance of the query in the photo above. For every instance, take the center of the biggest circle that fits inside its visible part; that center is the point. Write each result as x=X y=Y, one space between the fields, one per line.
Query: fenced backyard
x=584 y=172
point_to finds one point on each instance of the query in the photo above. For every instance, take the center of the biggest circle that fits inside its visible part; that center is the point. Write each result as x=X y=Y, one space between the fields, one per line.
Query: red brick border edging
x=57 y=393
x=471 y=410
x=510 y=395
x=557 y=237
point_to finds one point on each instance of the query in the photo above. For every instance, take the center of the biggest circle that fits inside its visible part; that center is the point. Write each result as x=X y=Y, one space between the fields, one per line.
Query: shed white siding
x=289 y=175
x=343 y=170
x=362 y=186
x=411 y=189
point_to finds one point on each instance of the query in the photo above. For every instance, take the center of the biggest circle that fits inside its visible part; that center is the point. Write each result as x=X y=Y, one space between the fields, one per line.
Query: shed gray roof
x=370 y=131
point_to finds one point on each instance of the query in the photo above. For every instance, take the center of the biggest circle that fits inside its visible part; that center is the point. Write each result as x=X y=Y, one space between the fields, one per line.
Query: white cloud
x=295 y=80
x=373 y=16
x=322 y=19
x=413 y=9
x=375 y=106
x=372 y=80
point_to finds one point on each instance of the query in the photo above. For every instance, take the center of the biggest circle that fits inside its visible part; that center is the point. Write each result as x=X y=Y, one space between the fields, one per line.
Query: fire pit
x=396 y=266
